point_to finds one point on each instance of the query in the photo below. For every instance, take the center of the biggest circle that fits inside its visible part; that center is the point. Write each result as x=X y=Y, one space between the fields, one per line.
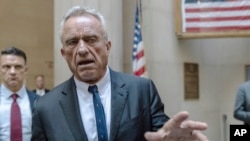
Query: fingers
x=153 y=136
x=180 y=117
x=180 y=120
x=179 y=128
x=194 y=125
x=156 y=136
x=194 y=135
x=176 y=120
x=198 y=135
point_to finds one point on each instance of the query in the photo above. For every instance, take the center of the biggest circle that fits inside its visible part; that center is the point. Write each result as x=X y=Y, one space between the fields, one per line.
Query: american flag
x=215 y=15
x=138 y=58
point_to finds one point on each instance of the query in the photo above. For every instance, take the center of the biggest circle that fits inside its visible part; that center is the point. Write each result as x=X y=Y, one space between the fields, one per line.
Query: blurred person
x=242 y=103
x=40 y=85
x=98 y=103
x=16 y=101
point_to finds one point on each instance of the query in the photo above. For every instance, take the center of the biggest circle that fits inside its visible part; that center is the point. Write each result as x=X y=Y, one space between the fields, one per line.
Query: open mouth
x=85 y=62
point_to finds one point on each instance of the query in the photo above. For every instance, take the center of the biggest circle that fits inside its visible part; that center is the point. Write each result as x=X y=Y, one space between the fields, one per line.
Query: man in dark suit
x=131 y=107
x=13 y=70
x=40 y=85
x=242 y=103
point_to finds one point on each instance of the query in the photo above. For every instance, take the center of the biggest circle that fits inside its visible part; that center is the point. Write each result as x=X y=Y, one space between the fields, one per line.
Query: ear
x=108 y=46
x=26 y=69
x=62 y=51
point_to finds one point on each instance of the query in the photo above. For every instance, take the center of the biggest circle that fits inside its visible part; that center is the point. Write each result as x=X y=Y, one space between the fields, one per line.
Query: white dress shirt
x=5 y=106
x=85 y=100
x=40 y=92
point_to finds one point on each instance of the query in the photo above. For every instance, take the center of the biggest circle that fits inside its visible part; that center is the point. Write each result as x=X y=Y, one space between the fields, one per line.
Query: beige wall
x=28 y=24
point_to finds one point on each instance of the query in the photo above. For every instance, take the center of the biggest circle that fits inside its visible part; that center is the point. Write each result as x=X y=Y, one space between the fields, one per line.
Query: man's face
x=13 y=71
x=40 y=82
x=84 y=48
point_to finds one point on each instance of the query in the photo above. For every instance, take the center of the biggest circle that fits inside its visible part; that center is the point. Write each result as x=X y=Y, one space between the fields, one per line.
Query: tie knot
x=93 y=89
x=14 y=96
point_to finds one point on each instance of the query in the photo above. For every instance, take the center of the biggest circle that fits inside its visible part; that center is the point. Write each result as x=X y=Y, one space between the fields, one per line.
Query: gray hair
x=81 y=11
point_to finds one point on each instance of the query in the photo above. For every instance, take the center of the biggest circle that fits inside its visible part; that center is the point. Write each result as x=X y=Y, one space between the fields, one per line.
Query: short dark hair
x=14 y=51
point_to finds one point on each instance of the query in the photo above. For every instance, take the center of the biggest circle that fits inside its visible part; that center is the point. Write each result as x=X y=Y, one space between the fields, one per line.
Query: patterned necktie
x=99 y=114
x=16 y=123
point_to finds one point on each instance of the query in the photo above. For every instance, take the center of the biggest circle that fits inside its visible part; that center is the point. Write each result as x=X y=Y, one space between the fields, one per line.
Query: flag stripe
x=233 y=18
x=219 y=24
x=216 y=16
x=140 y=71
x=209 y=29
x=140 y=55
x=236 y=8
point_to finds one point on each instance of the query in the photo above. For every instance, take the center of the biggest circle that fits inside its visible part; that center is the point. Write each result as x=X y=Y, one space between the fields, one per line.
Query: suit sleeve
x=157 y=108
x=240 y=107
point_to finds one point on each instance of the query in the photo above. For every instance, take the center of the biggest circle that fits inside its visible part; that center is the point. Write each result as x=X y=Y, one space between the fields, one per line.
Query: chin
x=87 y=77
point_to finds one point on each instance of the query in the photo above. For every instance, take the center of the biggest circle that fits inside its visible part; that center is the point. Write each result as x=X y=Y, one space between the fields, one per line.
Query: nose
x=12 y=70
x=82 y=47
x=81 y=43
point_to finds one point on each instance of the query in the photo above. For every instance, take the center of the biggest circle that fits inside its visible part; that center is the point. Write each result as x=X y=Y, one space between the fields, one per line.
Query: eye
x=91 y=40
x=71 y=43
x=18 y=67
x=6 y=67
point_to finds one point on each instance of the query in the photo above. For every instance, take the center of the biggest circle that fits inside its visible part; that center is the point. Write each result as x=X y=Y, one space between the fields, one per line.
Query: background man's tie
x=16 y=123
x=99 y=114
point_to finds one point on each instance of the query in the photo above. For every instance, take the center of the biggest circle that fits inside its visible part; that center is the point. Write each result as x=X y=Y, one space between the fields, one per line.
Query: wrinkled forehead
x=82 y=25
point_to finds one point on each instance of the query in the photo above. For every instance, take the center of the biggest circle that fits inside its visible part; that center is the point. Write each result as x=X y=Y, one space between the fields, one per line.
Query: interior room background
x=33 y=26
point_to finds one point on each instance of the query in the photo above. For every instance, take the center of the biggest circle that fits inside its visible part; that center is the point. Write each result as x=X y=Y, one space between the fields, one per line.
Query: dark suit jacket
x=135 y=108
x=32 y=97
x=242 y=103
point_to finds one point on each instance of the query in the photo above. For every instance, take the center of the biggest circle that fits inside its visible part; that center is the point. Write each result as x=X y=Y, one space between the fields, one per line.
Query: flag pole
x=139 y=10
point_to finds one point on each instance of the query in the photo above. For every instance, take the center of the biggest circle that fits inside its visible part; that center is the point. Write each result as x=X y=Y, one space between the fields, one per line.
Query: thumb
x=152 y=136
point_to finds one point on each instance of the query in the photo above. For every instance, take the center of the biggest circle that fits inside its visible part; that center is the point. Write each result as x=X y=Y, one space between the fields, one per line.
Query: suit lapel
x=118 y=101
x=70 y=108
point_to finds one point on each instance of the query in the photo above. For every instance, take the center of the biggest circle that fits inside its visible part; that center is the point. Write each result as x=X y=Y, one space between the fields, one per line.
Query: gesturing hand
x=179 y=128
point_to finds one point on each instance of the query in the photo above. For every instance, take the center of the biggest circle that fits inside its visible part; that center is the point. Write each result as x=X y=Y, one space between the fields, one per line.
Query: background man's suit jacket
x=242 y=103
x=32 y=97
x=135 y=108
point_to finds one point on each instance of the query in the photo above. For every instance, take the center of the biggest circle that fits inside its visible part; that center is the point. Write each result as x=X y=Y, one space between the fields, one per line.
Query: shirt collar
x=5 y=92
